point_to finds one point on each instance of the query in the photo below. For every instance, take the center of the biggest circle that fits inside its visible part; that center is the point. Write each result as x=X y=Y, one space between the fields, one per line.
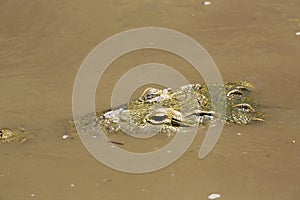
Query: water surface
x=42 y=45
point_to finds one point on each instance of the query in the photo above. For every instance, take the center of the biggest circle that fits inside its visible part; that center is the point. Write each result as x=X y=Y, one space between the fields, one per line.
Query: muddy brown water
x=42 y=44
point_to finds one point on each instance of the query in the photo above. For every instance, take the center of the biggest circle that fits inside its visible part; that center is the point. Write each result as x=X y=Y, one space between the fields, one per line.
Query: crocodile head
x=189 y=105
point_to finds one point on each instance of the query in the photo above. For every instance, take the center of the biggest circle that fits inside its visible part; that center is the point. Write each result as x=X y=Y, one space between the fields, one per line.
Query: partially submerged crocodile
x=166 y=110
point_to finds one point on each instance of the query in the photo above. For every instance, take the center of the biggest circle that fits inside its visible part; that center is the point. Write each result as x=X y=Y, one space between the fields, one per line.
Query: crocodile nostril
x=150 y=94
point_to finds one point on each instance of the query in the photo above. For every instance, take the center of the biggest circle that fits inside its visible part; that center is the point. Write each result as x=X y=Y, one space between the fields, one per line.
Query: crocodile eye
x=234 y=92
x=157 y=119
x=244 y=107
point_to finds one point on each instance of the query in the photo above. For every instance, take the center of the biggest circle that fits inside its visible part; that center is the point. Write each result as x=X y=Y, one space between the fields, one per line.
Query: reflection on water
x=42 y=46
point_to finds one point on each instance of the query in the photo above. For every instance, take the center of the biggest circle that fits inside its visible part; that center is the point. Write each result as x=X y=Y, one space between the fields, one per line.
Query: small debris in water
x=64 y=137
x=294 y=141
x=23 y=140
x=72 y=185
x=239 y=134
x=22 y=129
x=214 y=196
x=298 y=33
x=144 y=190
x=206 y=3
x=168 y=151
x=106 y=180
x=115 y=142
x=32 y=195
x=172 y=174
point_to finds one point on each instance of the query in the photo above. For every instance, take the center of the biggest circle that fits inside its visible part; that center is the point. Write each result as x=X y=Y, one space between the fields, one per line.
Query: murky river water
x=42 y=44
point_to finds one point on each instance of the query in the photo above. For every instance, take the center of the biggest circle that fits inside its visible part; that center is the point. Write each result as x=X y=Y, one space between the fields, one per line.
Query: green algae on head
x=165 y=110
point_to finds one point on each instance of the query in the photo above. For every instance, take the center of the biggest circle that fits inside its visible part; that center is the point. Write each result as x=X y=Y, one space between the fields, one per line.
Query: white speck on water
x=298 y=33
x=239 y=134
x=94 y=136
x=72 y=185
x=65 y=137
x=144 y=190
x=214 y=196
x=294 y=141
x=169 y=151
x=112 y=146
x=172 y=174
x=206 y=3
x=32 y=195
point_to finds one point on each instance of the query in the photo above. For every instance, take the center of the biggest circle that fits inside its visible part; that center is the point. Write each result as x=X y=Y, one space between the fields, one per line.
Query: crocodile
x=164 y=110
